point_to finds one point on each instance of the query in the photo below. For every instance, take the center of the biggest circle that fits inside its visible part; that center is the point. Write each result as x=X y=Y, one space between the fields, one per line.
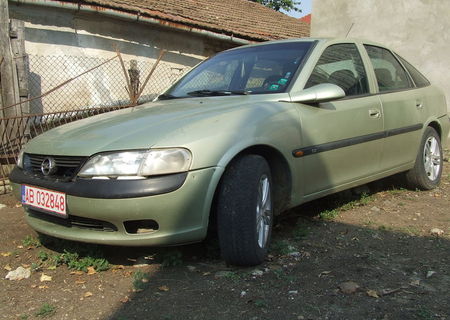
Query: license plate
x=52 y=202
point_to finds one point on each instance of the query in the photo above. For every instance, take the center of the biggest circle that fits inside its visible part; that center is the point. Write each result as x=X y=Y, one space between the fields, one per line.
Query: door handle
x=374 y=113
x=419 y=105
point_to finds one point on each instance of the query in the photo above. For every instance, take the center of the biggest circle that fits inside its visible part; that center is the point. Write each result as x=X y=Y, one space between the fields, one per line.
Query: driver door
x=342 y=139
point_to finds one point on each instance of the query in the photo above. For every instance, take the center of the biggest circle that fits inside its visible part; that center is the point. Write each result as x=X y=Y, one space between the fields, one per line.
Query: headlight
x=137 y=164
x=20 y=159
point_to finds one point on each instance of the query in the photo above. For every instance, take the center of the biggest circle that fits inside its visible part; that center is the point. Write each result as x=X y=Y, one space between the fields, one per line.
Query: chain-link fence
x=68 y=88
x=103 y=86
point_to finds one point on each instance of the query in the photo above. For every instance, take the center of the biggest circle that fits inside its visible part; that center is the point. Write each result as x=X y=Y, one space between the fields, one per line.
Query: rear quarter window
x=418 y=78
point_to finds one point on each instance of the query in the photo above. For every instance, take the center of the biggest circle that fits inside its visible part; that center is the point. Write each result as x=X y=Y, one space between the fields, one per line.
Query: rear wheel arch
x=436 y=126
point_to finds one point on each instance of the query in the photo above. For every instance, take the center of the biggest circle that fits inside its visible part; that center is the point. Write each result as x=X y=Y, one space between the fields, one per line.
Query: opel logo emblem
x=48 y=166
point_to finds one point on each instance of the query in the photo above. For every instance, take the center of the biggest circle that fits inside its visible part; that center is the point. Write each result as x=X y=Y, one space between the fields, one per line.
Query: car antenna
x=349 y=29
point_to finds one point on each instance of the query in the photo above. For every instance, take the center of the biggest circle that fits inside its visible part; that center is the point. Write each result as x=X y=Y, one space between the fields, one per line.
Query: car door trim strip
x=297 y=153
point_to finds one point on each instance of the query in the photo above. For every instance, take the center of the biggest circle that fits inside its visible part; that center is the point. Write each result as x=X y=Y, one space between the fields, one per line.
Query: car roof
x=323 y=41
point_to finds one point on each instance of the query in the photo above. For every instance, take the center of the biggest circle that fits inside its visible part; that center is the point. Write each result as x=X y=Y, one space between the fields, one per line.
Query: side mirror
x=319 y=93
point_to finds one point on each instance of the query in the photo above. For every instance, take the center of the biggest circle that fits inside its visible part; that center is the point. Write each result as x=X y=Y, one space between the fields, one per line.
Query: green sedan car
x=244 y=136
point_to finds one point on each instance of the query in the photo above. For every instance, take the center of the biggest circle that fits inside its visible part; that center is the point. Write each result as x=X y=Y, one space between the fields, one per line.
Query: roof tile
x=241 y=18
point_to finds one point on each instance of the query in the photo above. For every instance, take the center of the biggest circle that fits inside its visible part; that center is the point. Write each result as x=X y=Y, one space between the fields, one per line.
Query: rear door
x=402 y=107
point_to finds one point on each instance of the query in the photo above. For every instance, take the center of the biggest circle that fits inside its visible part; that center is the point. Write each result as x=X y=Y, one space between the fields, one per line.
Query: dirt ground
x=377 y=252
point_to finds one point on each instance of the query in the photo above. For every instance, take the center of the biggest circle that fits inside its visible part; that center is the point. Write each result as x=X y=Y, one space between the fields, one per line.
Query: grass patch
x=281 y=247
x=234 y=276
x=31 y=241
x=396 y=191
x=140 y=280
x=424 y=314
x=46 y=310
x=73 y=260
x=329 y=214
x=300 y=233
x=261 y=303
x=172 y=259
x=343 y=204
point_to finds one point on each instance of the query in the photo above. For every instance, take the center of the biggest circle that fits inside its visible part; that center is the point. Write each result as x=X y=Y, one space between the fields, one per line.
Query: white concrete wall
x=74 y=35
x=418 y=30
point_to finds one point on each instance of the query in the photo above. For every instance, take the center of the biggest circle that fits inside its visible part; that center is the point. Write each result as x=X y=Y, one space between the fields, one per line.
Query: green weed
x=74 y=261
x=260 y=303
x=281 y=247
x=23 y=317
x=140 y=280
x=424 y=314
x=43 y=256
x=329 y=214
x=300 y=233
x=234 y=276
x=396 y=191
x=46 y=310
x=282 y=275
x=172 y=259
x=30 y=241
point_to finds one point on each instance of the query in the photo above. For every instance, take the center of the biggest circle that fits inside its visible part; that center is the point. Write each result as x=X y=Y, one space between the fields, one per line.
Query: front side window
x=260 y=69
x=341 y=64
x=389 y=73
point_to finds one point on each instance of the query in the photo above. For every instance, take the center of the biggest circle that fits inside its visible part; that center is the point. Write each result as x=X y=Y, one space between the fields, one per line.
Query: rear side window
x=418 y=78
x=341 y=64
x=389 y=72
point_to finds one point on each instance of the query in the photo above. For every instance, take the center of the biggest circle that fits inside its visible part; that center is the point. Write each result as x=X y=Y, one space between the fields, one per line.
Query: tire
x=245 y=211
x=427 y=170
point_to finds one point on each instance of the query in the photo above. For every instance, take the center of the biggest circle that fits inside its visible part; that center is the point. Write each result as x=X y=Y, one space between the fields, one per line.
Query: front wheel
x=427 y=170
x=245 y=211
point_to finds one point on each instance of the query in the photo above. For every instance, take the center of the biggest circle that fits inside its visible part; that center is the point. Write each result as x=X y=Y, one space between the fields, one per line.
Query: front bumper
x=182 y=214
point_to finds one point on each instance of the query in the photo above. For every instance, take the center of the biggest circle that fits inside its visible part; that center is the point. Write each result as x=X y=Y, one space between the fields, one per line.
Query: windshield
x=261 y=69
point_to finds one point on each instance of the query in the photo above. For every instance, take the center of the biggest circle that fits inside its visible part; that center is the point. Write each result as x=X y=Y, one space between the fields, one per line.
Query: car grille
x=75 y=221
x=66 y=166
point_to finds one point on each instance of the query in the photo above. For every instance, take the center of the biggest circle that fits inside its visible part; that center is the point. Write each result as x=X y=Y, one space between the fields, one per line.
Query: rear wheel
x=245 y=211
x=427 y=170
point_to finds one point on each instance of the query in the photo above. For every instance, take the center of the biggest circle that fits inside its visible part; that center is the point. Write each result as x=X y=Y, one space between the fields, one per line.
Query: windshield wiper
x=206 y=92
x=166 y=97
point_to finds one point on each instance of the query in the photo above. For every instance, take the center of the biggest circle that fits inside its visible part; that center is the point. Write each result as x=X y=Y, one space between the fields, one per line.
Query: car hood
x=144 y=126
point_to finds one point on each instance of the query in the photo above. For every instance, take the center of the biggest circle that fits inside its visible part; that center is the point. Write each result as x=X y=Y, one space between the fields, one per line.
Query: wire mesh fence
x=91 y=86
x=103 y=86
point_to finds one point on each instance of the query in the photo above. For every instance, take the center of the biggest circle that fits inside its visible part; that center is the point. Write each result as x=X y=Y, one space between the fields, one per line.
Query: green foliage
x=329 y=214
x=277 y=5
x=140 y=280
x=283 y=275
x=43 y=256
x=234 y=276
x=424 y=314
x=281 y=247
x=23 y=317
x=75 y=261
x=46 y=310
x=35 y=267
x=172 y=259
x=30 y=241
x=396 y=191
x=260 y=303
x=300 y=232
x=342 y=204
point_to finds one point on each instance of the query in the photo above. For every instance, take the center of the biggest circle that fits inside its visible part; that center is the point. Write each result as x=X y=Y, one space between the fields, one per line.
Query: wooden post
x=21 y=61
x=134 y=81
x=7 y=87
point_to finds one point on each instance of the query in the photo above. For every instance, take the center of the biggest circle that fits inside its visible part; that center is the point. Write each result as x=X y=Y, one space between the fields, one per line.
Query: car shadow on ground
x=320 y=267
